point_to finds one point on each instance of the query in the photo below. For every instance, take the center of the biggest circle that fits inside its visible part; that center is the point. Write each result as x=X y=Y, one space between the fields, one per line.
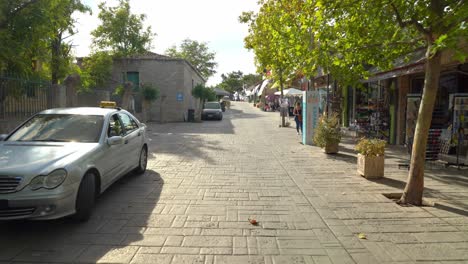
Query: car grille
x=14 y=212
x=9 y=184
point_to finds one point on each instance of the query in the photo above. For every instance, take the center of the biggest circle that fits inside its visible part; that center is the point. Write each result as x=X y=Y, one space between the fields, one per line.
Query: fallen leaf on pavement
x=362 y=236
x=253 y=221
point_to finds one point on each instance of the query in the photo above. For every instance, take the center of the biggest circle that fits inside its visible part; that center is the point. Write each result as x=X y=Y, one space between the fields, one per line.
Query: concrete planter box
x=370 y=167
x=331 y=148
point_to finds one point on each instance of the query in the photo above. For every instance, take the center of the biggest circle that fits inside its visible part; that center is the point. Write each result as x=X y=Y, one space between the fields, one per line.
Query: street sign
x=311 y=114
x=180 y=96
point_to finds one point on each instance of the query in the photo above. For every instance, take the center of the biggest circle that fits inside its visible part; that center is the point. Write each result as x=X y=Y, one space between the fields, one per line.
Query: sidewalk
x=205 y=180
x=350 y=204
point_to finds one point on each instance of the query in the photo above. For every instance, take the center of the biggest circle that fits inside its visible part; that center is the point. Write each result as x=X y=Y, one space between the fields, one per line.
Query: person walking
x=298 y=117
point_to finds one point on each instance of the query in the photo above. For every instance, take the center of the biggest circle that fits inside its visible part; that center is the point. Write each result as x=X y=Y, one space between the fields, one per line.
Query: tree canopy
x=346 y=38
x=33 y=34
x=121 y=32
x=198 y=54
x=236 y=81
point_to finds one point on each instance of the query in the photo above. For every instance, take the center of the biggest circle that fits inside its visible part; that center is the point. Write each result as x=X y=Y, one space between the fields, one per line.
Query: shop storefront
x=387 y=108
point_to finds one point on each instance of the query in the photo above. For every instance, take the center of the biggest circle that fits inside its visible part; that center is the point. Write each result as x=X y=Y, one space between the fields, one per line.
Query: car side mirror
x=3 y=137
x=115 y=140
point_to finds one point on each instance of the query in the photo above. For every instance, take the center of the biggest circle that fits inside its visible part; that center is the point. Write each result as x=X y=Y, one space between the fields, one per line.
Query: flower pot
x=370 y=167
x=331 y=148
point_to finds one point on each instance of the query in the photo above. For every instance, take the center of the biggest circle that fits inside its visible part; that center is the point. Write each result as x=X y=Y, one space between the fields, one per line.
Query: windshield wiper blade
x=50 y=140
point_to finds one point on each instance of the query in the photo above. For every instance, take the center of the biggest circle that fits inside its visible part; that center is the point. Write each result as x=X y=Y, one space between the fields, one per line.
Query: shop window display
x=372 y=117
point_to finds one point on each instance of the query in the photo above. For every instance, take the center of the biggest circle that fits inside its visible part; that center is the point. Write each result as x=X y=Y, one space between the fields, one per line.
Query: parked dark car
x=212 y=110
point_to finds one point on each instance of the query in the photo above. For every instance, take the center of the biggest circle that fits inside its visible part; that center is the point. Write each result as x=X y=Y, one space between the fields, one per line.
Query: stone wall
x=172 y=77
x=93 y=98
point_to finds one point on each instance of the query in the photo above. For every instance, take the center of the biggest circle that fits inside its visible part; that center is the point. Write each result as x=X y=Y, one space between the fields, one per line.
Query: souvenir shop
x=376 y=108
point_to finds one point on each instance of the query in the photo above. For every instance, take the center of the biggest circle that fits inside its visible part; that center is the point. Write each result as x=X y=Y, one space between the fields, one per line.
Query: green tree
x=24 y=31
x=232 y=81
x=270 y=38
x=236 y=81
x=150 y=94
x=203 y=93
x=251 y=79
x=62 y=27
x=32 y=37
x=347 y=37
x=96 y=70
x=380 y=31
x=121 y=32
x=198 y=54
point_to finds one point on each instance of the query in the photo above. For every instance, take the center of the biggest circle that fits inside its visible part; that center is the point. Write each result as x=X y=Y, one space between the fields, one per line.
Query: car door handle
x=139 y=133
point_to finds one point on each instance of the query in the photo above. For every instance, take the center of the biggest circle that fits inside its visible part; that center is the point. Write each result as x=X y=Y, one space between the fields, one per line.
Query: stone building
x=175 y=79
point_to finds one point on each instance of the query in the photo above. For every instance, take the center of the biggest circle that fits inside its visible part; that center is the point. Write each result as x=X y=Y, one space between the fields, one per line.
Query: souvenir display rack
x=456 y=137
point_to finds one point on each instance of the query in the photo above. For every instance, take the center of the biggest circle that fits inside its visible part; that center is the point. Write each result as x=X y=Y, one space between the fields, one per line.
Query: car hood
x=211 y=111
x=25 y=158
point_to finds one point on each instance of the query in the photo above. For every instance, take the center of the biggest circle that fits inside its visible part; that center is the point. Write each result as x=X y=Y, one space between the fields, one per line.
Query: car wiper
x=50 y=140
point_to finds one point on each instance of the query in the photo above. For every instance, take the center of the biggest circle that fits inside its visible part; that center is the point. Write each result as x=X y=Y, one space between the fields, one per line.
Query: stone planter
x=370 y=167
x=331 y=148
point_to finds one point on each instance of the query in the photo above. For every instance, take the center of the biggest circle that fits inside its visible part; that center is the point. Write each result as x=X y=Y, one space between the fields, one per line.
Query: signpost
x=311 y=114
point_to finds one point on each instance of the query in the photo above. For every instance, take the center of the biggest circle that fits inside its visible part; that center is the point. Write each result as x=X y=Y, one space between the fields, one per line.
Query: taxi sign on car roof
x=108 y=104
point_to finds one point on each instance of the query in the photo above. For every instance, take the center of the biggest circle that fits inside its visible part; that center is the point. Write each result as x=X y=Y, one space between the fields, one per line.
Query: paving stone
x=180 y=250
x=207 y=241
x=205 y=180
x=188 y=259
x=144 y=240
x=239 y=259
x=151 y=258
x=107 y=254
x=42 y=253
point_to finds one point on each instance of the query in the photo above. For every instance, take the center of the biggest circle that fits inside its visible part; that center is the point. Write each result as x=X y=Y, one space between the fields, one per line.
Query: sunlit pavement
x=206 y=180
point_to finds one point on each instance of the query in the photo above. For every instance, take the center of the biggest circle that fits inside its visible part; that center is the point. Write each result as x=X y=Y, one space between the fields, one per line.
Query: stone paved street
x=206 y=180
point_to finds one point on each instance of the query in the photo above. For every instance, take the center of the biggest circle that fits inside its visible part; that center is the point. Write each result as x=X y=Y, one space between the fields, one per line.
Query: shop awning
x=415 y=68
x=219 y=91
x=402 y=67
x=262 y=87
x=290 y=92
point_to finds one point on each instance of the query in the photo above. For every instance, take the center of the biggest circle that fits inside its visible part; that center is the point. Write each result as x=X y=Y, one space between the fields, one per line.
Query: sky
x=212 y=21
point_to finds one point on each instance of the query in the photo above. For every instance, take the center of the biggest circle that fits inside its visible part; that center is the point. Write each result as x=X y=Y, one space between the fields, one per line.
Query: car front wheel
x=143 y=162
x=86 y=197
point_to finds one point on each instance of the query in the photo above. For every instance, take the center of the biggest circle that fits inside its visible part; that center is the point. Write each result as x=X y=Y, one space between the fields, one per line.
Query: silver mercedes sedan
x=57 y=162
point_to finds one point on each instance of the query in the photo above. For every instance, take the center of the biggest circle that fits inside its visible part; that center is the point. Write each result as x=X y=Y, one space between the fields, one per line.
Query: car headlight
x=51 y=181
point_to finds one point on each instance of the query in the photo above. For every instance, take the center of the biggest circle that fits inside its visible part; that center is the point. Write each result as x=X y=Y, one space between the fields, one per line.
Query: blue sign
x=180 y=96
x=311 y=115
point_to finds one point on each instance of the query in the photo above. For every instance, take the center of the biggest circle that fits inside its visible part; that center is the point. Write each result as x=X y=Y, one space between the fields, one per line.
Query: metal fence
x=20 y=98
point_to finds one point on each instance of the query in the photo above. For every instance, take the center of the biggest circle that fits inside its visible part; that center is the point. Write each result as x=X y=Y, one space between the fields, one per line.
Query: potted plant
x=371 y=157
x=327 y=135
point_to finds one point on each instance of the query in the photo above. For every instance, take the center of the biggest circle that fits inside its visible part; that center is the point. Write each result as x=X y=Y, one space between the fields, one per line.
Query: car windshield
x=60 y=128
x=212 y=106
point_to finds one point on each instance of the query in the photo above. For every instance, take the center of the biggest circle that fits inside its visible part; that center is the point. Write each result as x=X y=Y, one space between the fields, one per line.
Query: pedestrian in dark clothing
x=298 y=117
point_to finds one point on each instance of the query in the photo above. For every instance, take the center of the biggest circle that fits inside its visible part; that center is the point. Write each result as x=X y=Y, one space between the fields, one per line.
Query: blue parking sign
x=180 y=96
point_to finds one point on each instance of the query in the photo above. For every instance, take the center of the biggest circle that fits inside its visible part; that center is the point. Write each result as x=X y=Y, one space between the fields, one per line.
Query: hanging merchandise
x=433 y=140
x=460 y=125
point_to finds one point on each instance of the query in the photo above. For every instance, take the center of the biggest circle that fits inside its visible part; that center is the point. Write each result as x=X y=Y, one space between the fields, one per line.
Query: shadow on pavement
x=117 y=221
x=189 y=147
x=450 y=209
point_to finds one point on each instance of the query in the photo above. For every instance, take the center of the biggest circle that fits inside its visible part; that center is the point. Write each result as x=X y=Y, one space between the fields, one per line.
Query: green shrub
x=150 y=92
x=327 y=131
x=371 y=147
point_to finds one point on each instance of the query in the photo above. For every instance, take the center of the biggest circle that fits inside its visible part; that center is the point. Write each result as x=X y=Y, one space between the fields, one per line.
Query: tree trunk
x=415 y=184
x=283 y=119
x=127 y=96
x=55 y=60
x=146 y=110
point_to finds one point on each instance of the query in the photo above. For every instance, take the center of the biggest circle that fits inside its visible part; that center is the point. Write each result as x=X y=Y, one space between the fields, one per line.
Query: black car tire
x=220 y=118
x=86 y=197
x=142 y=164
